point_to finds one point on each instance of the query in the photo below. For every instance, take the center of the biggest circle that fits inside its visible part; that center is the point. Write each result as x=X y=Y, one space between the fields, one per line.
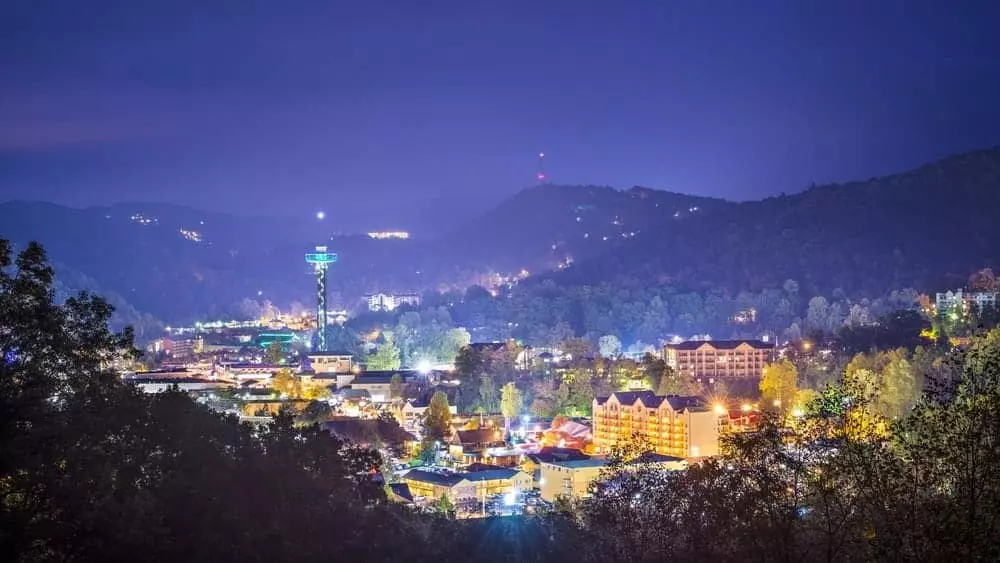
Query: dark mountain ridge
x=924 y=229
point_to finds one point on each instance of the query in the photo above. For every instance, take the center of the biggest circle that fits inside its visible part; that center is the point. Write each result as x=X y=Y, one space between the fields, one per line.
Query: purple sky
x=292 y=106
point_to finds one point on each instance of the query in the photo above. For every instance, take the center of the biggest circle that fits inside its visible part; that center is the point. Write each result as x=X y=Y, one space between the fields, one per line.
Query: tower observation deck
x=320 y=260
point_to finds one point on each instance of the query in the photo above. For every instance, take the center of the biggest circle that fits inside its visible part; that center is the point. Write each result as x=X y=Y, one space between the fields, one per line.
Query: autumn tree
x=778 y=385
x=437 y=419
x=385 y=358
x=274 y=354
x=511 y=403
x=317 y=393
x=286 y=384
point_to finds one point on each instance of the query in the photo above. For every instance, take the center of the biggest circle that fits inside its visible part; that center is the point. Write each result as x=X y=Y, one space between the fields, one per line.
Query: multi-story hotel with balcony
x=676 y=426
x=719 y=358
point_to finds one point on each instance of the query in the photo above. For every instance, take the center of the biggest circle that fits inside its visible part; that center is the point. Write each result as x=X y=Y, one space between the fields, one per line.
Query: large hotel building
x=675 y=426
x=719 y=358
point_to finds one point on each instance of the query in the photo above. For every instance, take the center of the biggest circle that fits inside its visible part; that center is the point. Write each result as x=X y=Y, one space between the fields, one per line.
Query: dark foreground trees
x=92 y=470
x=843 y=483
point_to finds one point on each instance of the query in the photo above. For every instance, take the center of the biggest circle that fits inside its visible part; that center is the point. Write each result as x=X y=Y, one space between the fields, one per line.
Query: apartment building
x=390 y=301
x=719 y=358
x=952 y=299
x=675 y=426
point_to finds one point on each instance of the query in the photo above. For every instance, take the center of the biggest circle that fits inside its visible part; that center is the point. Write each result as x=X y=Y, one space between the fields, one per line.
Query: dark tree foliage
x=899 y=329
x=93 y=470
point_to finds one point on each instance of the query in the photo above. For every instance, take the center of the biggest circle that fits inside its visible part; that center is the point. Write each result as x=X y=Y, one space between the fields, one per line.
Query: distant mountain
x=926 y=228
x=545 y=226
x=180 y=263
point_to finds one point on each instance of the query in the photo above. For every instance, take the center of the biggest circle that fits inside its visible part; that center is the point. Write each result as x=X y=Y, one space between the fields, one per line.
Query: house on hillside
x=470 y=446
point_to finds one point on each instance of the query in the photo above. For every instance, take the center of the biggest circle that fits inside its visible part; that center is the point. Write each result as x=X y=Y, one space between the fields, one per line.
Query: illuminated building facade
x=719 y=358
x=671 y=425
x=952 y=299
x=389 y=301
x=381 y=235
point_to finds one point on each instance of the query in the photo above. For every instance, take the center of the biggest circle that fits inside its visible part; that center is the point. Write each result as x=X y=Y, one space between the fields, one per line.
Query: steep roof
x=557 y=454
x=401 y=490
x=721 y=344
x=652 y=400
x=490 y=475
x=433 y=478
x=629 y=397
x=580 y=463
x=380 y=377
x=574 y=429
x=480 y=436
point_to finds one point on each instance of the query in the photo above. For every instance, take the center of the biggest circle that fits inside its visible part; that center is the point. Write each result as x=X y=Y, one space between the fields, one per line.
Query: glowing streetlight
x=797 y=412
x=777 y=402
x=746 y=408
x=424 y=367
x=719 y=409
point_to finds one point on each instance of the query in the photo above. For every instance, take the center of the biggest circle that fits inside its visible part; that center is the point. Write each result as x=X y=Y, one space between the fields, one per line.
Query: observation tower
x=320 y=260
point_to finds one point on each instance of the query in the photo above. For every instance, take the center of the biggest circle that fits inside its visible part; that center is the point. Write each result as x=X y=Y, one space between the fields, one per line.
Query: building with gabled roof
x=719 y=358
x=465 y=486
x=669 y=424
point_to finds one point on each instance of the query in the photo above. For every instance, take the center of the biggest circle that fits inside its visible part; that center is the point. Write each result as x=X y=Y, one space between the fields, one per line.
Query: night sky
x=293 y=106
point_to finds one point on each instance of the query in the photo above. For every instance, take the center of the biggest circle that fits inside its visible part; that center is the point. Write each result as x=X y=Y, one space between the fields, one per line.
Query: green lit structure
x=321 y=259
x=285 y=339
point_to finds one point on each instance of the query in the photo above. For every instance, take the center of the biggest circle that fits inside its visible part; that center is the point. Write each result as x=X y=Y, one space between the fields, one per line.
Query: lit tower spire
x=320 y=260
x=541 y=168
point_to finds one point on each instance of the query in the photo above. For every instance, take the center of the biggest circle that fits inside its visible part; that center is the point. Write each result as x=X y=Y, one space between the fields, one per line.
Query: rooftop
x=380 y=377
x=401 y=490
x=490 y=475
x=580 y=463
x=721 y=344
x=557 y=454
x=481 y=436
x=652 y=400
x=171 y=380
x=434 y=478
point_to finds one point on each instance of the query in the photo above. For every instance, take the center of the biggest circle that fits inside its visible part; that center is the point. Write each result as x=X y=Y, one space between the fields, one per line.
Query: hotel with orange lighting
x=719 y=358
x=676 y=426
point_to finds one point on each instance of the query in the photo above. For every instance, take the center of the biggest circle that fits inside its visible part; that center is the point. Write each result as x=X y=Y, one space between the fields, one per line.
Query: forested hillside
x=925 y=229
x=922 y=229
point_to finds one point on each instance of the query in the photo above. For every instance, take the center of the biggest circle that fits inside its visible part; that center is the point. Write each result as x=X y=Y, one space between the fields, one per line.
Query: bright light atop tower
x=320 y=215
x=424 y=367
